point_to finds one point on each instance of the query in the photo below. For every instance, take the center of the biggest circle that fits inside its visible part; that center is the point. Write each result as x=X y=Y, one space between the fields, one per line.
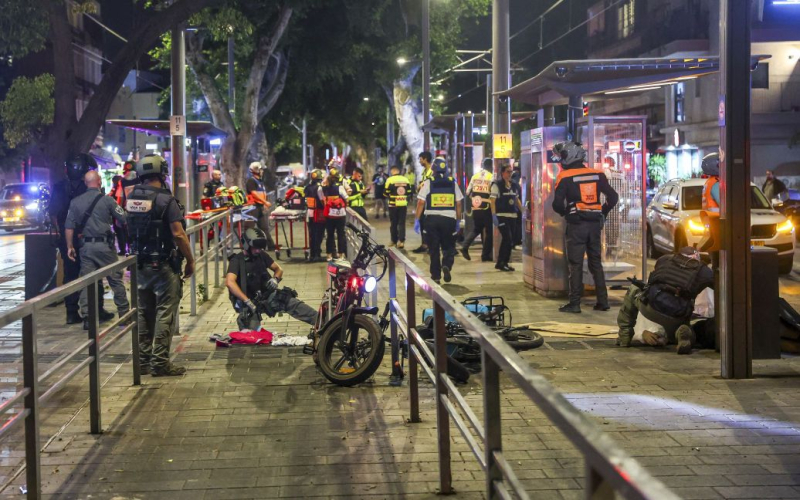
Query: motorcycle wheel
x=526 y=341
x=345 y=370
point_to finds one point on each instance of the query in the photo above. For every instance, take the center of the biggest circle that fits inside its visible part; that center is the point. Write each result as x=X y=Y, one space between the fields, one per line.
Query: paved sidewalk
x=261 y=422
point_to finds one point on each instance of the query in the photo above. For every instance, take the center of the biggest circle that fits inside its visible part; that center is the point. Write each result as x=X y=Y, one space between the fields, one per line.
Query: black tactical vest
x=677 y=271
x=150 y=234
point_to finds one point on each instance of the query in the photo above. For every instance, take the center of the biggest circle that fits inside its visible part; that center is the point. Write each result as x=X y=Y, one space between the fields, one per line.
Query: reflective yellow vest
x=398 y=189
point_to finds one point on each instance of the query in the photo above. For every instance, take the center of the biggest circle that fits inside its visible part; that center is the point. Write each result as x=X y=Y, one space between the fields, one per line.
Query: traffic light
x=585 y=108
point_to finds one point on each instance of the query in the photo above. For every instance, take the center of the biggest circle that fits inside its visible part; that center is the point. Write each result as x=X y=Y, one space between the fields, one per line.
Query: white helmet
x=570 y=152
x=153 y=164
x=255 y=166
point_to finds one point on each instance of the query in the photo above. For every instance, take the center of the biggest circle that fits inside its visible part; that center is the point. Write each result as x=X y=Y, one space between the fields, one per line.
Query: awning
x=443 y=124
x=161 y=127
x=604 y=78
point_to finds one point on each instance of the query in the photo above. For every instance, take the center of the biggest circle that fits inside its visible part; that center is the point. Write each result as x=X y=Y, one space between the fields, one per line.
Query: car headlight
x=696 y=227
x=32 y=206
x=370 y=283
x=3 y=213
x=785 y=227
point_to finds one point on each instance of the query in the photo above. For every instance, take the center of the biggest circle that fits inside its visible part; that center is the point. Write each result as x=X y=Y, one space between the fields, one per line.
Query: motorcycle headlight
x=696 y=227
x=785 y=227
x=370 y=283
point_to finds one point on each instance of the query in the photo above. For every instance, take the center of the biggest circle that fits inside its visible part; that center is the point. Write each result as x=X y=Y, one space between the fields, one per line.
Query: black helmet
x=488 y=164
x=150 y=165
x=78 y=165
x=254 y=238
x=710 y=164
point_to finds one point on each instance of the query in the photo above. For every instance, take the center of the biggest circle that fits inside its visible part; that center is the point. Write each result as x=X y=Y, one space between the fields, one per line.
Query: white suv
x=673 y=222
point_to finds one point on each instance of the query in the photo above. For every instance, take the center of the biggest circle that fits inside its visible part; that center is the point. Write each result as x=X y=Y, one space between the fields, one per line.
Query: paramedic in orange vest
x=710 y=168
x=577 y=199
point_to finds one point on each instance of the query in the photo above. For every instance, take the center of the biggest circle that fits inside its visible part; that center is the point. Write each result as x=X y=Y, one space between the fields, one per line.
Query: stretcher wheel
x=277 y=255
x=288 y=254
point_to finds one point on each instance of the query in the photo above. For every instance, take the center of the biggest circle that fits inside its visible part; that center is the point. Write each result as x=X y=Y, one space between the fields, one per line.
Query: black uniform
x=507 y=217
x=150 y=212
x=63 y=193
x=257 y=185
x=210 y=188
x=441 y=195
x=316 y=219
x=252 y=273
x=577 y=199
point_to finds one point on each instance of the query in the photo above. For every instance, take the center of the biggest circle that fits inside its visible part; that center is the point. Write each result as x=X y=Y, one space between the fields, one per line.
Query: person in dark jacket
x=773 y=187
x=577 y=199
x=668 y=299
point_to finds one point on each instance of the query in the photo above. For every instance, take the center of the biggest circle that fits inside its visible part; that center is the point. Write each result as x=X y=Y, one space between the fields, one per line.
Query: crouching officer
x=89 y=221
x=63 y=193
x=316 y=216
x=577 y=199
x=440 y=201
x=254 y=291
x=158 y=239
x=668 y=299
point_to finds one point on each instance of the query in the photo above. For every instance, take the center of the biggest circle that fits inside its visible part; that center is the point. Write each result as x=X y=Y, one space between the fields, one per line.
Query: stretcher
x=282 y=215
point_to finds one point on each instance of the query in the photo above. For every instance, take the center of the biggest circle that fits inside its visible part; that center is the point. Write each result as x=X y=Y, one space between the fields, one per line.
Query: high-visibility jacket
x=577 y=194
x=427 y=175
x=398 y=189
x=316 y=209
x=710 y=205
x=479 y=189
x=355 y=198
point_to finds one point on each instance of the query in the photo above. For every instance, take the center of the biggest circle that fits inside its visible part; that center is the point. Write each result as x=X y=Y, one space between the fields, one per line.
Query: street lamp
x=402 y=61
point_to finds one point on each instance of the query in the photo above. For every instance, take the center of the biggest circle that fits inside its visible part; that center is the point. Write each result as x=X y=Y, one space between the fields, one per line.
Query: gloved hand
x=250 y=305
x=416 y=226
x=495 y=221
x=458 y=225
x=272 y=285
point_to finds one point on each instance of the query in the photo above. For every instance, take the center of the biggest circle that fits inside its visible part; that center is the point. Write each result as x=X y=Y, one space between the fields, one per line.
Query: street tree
x=27 y=27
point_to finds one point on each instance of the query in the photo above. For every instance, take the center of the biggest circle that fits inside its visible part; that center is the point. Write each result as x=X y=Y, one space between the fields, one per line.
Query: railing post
x=413 y=369
x=596 y=487
x=442 y=417
x=30 y=376
x=491 y=421
x=94 y=365
x=137 y=369
x=226 y=227
x=193 y=279
x=217 y=251
x=205 y=270
x=397 y=372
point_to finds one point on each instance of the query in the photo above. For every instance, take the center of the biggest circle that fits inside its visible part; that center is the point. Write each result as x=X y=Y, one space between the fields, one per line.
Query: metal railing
x=94 y=347
x=216 y=248
x=608 y=467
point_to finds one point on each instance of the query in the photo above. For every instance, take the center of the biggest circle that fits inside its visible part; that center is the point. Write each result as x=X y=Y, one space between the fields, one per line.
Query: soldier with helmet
x=315 y=215
x=158 y=239
x=63 y=193
x=440 y=200
x=577 y=199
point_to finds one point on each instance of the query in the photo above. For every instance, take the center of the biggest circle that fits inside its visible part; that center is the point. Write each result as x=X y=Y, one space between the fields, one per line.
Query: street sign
x=177 y=125
x=502 y=146
x=631 y=146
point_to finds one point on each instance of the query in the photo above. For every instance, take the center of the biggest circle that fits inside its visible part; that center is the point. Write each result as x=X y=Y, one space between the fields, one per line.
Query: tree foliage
x=23 y=28
x=27 y=109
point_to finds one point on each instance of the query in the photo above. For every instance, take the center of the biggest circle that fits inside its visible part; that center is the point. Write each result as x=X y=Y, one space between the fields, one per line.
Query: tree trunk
x=409 y=113
x=393 y=155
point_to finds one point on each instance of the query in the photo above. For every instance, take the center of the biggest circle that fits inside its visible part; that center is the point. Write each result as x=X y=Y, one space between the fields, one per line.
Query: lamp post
x=426 y=70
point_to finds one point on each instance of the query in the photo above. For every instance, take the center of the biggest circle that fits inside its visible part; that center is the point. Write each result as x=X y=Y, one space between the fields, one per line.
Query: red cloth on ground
x=252 y=337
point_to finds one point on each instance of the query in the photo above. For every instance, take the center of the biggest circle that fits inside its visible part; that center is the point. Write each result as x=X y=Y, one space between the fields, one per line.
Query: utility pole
x=305 y=143
x=178 y=126
x=734 y=315
x=426 y=70
x=231 y=76
x=501 y=66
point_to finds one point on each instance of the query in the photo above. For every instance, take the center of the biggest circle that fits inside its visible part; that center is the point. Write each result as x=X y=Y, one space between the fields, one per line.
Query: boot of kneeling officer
x=252 y=280
x=668 y=299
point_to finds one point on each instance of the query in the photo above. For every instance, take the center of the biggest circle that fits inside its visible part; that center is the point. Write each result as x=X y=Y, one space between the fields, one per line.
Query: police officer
x=63 y=193
x=398 y=188
x=158 y=239
x=254 y=290
x=506 y=206
x=478 y=192
x=577 y=199
x=356 y=191
x=440 y=200
x=425 y=159
x=316 y=216
x=210 y=187
x=89 y=222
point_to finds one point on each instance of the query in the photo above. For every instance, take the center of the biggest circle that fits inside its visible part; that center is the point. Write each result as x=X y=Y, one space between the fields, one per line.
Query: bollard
x=137 y=368
x=94 y=355
x=30 y=374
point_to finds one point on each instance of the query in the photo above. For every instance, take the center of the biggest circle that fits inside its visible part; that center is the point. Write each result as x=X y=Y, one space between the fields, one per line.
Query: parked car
x=20 y=207
x=673 y=222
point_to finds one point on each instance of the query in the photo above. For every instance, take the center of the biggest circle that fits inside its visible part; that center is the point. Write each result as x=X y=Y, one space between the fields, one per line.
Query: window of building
x=626 y=14
x=597 y=18
x=679 y=97
x=760 y=76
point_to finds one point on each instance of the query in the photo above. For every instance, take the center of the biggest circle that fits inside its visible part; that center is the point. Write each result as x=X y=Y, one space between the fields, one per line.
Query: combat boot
x=169 y=370
x=570 y=308
x=105 y=315
x=684 y=336
x=73 y=318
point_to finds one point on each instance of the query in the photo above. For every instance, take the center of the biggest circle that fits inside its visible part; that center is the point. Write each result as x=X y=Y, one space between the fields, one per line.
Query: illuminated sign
x=502 y=146
x=786 y=2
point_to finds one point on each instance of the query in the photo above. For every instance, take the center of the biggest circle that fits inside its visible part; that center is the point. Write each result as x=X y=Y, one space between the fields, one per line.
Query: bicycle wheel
x=338 y=363
x=525 y=340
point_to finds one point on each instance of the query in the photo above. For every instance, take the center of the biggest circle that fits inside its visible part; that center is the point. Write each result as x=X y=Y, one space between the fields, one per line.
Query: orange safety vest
x=587 y=180
x=710 y=205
